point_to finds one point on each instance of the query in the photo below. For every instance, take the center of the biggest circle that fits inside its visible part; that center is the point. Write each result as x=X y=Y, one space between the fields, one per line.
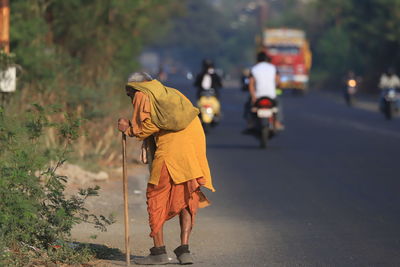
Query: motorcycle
x=209 y=107
x=265 y=111
x=390 y=101
x=350 y=91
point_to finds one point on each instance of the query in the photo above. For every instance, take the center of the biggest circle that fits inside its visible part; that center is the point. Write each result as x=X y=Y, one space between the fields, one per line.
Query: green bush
x=35 y=214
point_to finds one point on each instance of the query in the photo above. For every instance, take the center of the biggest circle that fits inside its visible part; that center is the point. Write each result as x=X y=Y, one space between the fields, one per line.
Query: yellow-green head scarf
x=170 y=110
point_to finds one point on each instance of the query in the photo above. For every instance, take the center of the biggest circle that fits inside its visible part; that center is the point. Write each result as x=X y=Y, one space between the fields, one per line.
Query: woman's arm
x=148 y=128
x=141 y=125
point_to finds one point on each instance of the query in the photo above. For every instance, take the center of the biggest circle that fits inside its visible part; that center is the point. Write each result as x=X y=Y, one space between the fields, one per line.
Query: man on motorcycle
x=208 y=79
x=350 y=87
x=388 y=80
x=262 y=83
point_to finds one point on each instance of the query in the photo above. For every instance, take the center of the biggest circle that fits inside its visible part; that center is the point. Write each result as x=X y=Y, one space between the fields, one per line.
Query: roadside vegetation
x=36 y=217
x=77 y=54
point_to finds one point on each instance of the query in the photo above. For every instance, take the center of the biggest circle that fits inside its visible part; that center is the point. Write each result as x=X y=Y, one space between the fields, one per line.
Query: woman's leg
x=158 y=239
x=182 y=252
x=185 y=220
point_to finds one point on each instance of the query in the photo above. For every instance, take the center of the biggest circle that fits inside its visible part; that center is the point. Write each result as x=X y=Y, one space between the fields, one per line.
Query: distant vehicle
x=290 y=53
x=389 y=84
x=265 y=117
x=350 y=91
x=209 y=107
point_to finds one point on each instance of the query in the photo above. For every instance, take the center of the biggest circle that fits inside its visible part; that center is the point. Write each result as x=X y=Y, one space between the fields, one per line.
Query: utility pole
x=8 y=76
x=5 y=25
x=262 y=18
x=263 y=9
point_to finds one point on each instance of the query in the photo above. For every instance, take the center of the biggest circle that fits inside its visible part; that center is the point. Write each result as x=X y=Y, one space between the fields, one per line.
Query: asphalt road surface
x=326 y=192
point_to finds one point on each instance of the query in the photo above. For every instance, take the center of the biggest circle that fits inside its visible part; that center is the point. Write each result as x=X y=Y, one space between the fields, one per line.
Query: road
x=324 y=193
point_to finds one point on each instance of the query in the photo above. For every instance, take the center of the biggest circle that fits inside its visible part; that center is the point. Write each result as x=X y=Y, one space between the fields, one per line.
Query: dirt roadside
x=110 y=201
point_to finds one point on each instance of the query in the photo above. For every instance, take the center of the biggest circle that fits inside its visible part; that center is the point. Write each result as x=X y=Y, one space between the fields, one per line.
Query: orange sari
x=166 y=200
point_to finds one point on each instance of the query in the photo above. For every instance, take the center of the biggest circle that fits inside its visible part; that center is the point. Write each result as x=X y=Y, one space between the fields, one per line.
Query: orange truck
x=290 y=53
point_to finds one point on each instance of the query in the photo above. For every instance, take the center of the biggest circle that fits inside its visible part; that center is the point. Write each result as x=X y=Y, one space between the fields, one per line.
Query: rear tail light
x=207 y=108
x=265 y=103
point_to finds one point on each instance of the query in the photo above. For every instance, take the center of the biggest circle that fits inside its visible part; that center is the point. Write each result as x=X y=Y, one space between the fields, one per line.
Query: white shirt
x=387 y=82
x=206 y=83
x=264 y=75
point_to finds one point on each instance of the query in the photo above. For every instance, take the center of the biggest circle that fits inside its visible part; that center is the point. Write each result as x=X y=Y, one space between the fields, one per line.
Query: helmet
x=207 y=63
x=390 y=71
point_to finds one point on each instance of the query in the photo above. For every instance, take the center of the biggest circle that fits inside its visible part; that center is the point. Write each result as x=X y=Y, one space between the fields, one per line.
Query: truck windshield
x=292 y=50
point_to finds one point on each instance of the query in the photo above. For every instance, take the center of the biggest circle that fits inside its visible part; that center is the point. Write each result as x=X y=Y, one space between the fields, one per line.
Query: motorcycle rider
x=348 y=80
x=244 y=79
x=208 y=79
x=388 y=80
x=262 y=83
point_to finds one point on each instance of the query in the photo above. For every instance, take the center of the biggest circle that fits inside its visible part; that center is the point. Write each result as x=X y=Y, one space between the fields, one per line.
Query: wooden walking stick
x=125 y=191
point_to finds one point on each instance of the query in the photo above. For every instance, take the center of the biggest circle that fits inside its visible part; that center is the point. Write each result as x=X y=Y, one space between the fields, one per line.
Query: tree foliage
x=78 y=53
x=348 y=35
x=206 y=31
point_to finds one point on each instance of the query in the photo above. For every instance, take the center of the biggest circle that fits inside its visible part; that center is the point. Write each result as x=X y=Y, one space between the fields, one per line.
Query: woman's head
x=137 y=77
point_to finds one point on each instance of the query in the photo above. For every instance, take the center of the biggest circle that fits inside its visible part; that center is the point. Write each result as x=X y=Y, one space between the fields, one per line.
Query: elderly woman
x=179 y=165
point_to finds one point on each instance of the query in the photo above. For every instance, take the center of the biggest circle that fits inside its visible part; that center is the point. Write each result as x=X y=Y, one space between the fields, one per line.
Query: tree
x=78 y=53
x=349 y=34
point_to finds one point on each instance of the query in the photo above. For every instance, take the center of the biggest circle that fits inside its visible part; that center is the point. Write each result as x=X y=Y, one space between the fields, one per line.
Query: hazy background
x=77 y=54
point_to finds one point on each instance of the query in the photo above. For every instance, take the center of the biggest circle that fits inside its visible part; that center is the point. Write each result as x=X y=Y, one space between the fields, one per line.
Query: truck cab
x=290 y=53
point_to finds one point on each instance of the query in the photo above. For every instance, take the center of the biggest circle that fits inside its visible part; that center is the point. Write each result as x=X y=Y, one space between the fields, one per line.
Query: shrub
x=35 y=214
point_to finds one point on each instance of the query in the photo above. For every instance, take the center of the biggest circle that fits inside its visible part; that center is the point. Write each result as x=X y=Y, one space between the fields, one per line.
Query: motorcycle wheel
x=265 y=135
x=389 y=110
x=271 y=134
